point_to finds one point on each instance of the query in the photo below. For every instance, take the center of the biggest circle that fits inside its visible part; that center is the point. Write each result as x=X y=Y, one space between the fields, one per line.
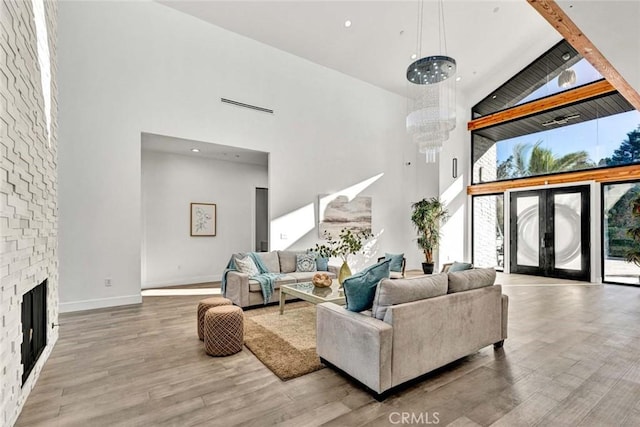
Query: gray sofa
x=245 y=292
x=422 y=324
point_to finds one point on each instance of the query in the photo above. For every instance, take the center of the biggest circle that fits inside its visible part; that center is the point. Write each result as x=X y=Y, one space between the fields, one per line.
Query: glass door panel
x=567 y=241
x=550 y=232
x=617 y=219
x=528 y=226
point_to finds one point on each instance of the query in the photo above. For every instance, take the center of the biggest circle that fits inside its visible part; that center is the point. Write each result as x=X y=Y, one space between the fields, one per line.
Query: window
x=560 y=69
x=601 y=131
x=617 y=200
x=602 y=142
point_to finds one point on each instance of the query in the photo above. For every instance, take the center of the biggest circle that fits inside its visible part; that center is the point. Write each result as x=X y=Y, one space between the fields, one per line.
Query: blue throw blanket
x=265 y=278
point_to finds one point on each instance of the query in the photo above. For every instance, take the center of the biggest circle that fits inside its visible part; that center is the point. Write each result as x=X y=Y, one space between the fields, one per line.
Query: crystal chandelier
x=431 y=94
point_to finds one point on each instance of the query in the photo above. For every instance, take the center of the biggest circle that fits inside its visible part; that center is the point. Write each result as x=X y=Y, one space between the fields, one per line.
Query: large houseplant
x=348 y=243
x=426 y=217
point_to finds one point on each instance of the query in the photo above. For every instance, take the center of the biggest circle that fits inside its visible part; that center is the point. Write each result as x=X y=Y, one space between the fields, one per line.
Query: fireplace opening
x=34 y=327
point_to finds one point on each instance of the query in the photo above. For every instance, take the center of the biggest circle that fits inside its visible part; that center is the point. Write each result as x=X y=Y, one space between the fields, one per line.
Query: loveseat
x=245 y=292
x=415 y=326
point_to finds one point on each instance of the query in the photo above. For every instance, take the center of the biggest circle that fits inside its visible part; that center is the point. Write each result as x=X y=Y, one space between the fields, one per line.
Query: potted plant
x=348 y=243
x=426 y=217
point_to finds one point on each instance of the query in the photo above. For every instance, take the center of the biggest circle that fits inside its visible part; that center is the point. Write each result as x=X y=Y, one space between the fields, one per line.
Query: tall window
x=598 y=132
x=616 y=220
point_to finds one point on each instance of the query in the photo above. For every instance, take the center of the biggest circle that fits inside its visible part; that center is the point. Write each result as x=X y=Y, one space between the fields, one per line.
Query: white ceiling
x=491 y=40
x=172 y=145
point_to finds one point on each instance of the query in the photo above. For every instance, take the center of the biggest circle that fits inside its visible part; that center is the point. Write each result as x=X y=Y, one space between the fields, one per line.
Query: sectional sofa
x=415 y=326
x=245 y=292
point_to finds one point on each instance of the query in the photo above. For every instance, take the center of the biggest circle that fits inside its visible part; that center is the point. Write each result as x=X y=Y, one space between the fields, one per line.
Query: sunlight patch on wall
x=452 y=231
x=44 y=61
x=349 y=192
x=454 y=190
x=289 y=228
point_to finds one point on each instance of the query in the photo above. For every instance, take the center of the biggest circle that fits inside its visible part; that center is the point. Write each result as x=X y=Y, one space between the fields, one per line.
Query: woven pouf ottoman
x=205 y=305
x=223 y=330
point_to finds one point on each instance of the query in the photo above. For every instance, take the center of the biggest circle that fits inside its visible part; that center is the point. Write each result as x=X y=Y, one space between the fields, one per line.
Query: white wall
x=170 y=182
x=454 y=245
x=132 y=67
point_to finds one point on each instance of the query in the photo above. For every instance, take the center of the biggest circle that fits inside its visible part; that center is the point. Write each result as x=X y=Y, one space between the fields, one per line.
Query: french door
x=550 y=232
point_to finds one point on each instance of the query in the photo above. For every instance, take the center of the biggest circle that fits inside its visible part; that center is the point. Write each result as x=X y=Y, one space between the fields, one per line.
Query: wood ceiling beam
x=553 y=13
x=619 y=173
x=561 y=99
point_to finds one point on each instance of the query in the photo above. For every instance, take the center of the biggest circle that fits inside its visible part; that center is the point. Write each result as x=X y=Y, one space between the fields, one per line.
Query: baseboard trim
x=182 y=281
x=92 y=304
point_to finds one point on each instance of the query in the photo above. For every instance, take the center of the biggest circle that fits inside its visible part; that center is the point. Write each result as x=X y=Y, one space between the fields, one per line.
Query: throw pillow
x=322 y=264
x=288 y=261
x=396 y=261
x=471 y=279
x=360 y=288
x=392 y=292
x=459 y=266
x=305 y=263
x=247 y=266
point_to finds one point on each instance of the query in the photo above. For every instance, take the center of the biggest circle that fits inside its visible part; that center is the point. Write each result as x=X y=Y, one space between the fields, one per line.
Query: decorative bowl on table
x=321 y=280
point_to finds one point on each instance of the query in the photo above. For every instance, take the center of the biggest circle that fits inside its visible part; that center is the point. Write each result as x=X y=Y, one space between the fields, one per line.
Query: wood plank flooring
x=572 y=358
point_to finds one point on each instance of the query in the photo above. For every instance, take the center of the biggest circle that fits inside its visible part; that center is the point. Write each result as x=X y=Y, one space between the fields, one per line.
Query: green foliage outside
x=532 y=159
x=633 y=253
x=619 y=219
x=628 y=152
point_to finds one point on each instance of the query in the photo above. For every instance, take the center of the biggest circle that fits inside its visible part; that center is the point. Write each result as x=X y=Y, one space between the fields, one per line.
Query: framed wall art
x=203 y=219
x=337 y=212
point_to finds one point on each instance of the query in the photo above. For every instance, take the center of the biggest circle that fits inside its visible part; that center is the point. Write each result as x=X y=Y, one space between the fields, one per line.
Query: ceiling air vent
x=242 y=104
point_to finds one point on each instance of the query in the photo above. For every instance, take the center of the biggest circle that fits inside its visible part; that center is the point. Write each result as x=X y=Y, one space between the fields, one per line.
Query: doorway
x=549 y=232
x=262 y=220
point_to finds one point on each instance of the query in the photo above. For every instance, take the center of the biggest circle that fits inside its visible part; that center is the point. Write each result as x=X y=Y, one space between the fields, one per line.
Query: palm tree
x=529 y=160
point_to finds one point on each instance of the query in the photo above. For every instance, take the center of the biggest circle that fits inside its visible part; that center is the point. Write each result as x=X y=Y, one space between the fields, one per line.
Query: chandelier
x=431 y=94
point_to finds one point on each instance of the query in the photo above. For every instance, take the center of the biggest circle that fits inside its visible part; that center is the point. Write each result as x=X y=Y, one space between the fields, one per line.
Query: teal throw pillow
x=322 y=264
x=460 y=266
x=396 y=261
x=360 y=289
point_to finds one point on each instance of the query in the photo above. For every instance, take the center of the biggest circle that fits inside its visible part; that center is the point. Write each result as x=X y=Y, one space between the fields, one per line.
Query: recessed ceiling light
x=458 y=78
x=347 y=23
x=195 y=150
x=494 y=96
x=414 y=56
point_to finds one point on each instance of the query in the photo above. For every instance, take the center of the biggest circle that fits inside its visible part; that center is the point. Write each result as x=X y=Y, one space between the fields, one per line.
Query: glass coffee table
x=307 y=292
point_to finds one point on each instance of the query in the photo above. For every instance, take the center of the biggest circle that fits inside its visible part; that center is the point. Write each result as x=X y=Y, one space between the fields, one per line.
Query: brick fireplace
x=28 y=198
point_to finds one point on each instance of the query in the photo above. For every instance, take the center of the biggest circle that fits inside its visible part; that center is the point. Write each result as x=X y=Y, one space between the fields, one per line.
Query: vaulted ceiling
x=490 y=40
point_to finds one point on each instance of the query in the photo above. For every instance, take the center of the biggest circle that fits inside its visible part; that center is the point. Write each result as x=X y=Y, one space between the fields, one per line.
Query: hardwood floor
x=572 y=358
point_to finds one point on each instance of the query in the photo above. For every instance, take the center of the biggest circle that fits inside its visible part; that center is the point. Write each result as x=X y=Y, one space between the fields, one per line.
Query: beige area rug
x=285 y=344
